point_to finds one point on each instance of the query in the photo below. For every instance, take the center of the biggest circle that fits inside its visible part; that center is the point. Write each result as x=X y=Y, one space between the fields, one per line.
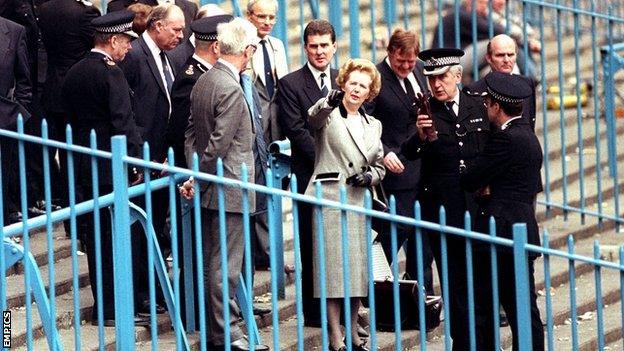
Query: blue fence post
x=282 y=23
x=522 y=286
x=354 y=30
x=122 y=253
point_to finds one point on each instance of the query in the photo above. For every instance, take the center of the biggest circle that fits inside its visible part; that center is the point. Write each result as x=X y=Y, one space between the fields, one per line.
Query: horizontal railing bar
x=578 y=210
x=574 y=10
x=55 y=143
x=575 y=257
x=615 y=47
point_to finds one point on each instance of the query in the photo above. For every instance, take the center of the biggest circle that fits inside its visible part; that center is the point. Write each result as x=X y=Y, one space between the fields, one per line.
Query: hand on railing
x=187 y=190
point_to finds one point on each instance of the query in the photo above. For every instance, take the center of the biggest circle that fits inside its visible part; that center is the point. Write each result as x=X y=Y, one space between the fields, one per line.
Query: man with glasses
x=268 y=65
x=221 y=126
x=447 y=141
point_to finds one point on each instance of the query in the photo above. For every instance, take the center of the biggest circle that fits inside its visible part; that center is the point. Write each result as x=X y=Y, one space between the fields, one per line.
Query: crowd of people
x=200 y=81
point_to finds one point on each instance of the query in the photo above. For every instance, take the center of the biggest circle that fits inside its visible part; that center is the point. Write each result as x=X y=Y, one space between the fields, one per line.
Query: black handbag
x=380 y=203
x=408 y=297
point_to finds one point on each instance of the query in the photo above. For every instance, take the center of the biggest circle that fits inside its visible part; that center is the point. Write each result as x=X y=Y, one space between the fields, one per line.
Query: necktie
x=262 y=150
x=409 y=89
x=167 y=72
x=268 y=72
x=324 y=90
x=449 y=106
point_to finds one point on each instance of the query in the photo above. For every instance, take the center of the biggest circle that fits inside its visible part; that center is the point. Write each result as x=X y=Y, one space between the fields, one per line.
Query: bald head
x=501 y=53
x=165 y=25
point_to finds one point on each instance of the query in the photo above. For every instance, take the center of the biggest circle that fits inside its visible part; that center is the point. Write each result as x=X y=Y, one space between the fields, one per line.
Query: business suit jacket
x=297 y=92
x=221 y=126
x=150 y=105
x=397 y=113
x=276 y=51
x=510 y=164
x=181 y=108
x=188 y=8
x=67 y=34
x=96 y=97
x=15 y=84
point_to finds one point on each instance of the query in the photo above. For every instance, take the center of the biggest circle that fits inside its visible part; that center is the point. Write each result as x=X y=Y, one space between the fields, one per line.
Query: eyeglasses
x=264 y=17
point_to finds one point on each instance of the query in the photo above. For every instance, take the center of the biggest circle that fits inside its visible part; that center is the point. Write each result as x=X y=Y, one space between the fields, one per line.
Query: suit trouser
x=484 y=310
x=10 y=174
x=213 y=273
x=405 y=200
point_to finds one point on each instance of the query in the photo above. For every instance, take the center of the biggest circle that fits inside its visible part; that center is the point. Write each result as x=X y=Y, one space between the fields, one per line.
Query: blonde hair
x=364 y=66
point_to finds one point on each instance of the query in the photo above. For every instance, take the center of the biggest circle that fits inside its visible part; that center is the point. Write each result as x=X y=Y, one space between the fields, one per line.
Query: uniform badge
x=85 y=2
x=189 y=70
x=110 y=62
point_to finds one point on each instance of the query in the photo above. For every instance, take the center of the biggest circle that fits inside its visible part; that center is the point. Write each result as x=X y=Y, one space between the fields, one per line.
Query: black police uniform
x=460 y=139
x=510 y=164
x=97 y=97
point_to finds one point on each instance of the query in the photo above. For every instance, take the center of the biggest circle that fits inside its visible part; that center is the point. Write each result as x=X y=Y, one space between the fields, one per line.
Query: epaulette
x=85 y=2
x=109 y=63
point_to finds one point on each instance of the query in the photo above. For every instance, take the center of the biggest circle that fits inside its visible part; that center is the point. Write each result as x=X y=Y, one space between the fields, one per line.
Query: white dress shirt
x=317 y=76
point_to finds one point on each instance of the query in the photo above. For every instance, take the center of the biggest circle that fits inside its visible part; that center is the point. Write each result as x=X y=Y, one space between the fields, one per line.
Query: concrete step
x=39 y=247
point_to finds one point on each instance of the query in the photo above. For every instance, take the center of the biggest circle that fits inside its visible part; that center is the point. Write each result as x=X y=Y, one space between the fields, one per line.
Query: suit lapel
x=311 y=89
x=5 y=40
x=152 y=64
x=359 y=142
x=220 y=66
x=391 y=80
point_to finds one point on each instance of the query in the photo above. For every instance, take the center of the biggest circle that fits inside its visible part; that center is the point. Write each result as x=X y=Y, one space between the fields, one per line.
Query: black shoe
x=35 y=211
x=138 y=322
x=360 y=347
x=14 y=217
x=144 y=308
x=362 y=332
x=261 y=311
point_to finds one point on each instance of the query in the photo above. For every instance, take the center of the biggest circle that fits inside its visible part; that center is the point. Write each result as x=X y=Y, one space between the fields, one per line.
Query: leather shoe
x=144 y=308
x=138 y=322
x=261 y=311
x=362 y=332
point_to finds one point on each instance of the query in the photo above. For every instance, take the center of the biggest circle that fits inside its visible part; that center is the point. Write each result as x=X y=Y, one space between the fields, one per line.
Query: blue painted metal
x=122 y=262
x=470 y=286
x=547 y=288
x=223 y=254
x=579 y=112
x=596 y=119
x=279 y=164
x=346 y=269
x=201 y=297
x=354 y=30
x=372 y=316
x=562 y=127
x=97 y=238
x=422 y=293
x=572 y=279
x=280 y=29
x=320 y=235
x=395 y=275
x=598 y=300
x=373 y=26
x=297 y=249
x=150 y=252
x=522 y=287
x=245 y=300
x=334 y=10
x=495 y=299
x=189 y=270
x=445 y=279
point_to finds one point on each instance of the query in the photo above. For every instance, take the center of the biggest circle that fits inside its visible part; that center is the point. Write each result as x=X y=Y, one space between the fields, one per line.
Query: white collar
x=506 y=124
x=151 y=44
x=235 y=71
x=99 y=51
x=317 y=74
x=202 y=61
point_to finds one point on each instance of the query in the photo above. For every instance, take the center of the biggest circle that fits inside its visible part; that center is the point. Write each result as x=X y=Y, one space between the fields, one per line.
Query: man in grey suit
x=221 y=127
x=268 y=65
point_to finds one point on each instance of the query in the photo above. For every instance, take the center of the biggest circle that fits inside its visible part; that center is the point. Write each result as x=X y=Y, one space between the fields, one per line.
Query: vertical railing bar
x=597 y=122
x=495 y=299
x=440 y=28
x=199 y=258
x=373 y=22
x=395 y=274
x=346 y=276
x=25 y=234
x=422 y=293
x=354 y=30
x=445 y=280
x=173 y=218
x=572 y=278
x=297 y=248
x=457 y=39
x=122 y=253
x=547 y=288
x=320 y=237
x=49 y=232
x=579 y=113
x=405 y=14
x=470 y=286
x=97 y=238
x=74 y=244
x=475 y=62
x=611 y=125
x=223 y=254
x=247 y=256
x=302 y=56
x=598 y=284
x=544 y=112
x=273 y=254
x=562 y=127
x=147 y=177
x=525 y=35
x=522 y=287
x=372 y=316
x=423 y=25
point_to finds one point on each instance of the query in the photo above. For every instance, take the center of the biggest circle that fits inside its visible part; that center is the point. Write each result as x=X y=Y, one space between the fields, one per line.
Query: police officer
x=97 y=97
x=447 y=140
x=510 y=164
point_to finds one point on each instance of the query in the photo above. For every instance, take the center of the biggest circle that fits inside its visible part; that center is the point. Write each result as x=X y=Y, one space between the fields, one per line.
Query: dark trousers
x=484 y=310
x=86 y=222
x=58 y=170
x=10 y=174
x=405 y=200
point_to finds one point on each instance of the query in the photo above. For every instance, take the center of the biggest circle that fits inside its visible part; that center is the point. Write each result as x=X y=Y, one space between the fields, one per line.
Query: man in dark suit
x=296 y=93
x=501 y=56
x=396 y=108
x=222 y=127
x=150 y=77
x=97 y=97
x=510 y=165
x=189 y=9
x=185 y=50
x=67 y=35
x=15 y=98
x=447 y=141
